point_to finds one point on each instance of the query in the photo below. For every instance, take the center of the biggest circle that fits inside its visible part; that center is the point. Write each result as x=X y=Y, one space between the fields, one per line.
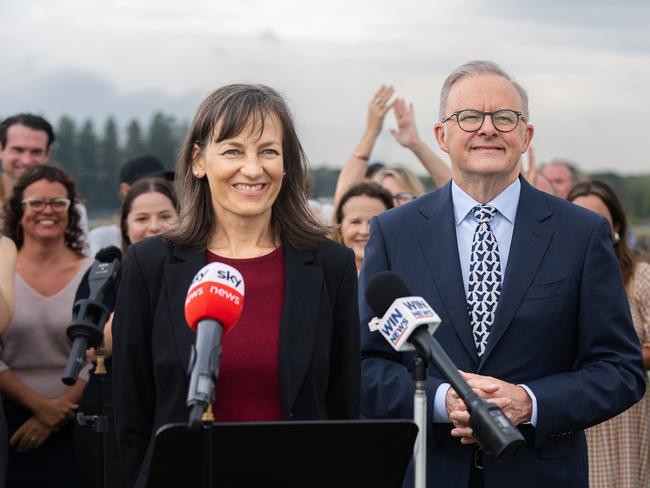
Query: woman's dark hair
x=367 y=188
x=626 y=258
x=13 y=207
x=144 y=185
x=230 y=109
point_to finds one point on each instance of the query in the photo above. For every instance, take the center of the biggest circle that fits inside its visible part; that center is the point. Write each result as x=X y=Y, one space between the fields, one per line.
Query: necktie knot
x=484 y=213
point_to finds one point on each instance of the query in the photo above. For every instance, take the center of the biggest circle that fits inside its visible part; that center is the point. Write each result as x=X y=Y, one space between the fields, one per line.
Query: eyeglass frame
x=405 y=196
x=518 y=114
x=29 y=202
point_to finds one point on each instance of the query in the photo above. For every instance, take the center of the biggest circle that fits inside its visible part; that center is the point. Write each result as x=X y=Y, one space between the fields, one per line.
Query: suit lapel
x=178 y=276
x=440 y=248
x=530 y=239
x=299 y=323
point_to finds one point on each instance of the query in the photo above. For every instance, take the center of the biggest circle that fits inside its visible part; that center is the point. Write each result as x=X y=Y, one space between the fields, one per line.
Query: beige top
x=35 y=346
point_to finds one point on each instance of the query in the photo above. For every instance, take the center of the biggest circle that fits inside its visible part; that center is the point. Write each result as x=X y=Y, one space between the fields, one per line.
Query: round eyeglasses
x=38 y=204
x=472 y=120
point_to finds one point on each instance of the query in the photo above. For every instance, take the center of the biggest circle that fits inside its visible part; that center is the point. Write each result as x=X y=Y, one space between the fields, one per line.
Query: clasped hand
x=512 y=399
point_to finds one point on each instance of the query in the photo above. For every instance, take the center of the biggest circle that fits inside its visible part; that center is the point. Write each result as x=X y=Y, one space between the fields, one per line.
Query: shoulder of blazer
x=331 y=257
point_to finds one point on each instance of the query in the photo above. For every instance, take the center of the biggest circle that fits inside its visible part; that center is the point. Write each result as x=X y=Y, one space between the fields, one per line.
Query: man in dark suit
x=529 y=292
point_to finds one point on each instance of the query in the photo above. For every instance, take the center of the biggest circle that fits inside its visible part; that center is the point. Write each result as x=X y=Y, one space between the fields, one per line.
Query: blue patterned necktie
x=484 y=283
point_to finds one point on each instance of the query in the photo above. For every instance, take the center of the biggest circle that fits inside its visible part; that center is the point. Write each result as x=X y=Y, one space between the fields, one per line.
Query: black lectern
x=283 y=454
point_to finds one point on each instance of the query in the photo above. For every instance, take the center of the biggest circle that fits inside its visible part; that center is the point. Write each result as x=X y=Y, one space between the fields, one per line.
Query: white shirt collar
x=505 y=202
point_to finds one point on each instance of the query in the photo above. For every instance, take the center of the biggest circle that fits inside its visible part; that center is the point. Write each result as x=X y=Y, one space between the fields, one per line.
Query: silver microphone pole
x=420 y=418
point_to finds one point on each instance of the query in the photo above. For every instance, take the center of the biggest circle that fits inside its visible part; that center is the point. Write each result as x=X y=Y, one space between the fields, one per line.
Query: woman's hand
x=378 y=107
x=31 y=435
x=406 y=133
x=91 y=353
x=54 y=412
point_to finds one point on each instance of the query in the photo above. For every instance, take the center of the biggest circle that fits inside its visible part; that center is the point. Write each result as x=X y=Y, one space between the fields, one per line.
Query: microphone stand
x=420 y=418
x=99 y=423
x=208 y=421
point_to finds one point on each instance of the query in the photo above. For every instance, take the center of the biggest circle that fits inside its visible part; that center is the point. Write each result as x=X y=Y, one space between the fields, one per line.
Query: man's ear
x=528 y=136
x=440 y=131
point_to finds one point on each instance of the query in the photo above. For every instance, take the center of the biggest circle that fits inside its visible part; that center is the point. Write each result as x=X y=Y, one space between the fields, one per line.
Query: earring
x=616 y=238
x=196 y=173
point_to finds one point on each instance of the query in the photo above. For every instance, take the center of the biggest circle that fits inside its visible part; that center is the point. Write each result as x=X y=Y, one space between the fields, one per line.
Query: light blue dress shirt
x=502 y=226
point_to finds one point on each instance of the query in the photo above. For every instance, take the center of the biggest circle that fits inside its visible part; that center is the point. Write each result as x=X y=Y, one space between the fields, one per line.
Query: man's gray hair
x=474 y=68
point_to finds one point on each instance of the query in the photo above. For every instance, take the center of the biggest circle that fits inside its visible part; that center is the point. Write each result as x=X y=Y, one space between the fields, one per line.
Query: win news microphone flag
x=213 y=305
x=406 y=322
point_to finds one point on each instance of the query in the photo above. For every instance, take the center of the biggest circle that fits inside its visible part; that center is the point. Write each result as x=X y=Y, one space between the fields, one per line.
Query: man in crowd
x=25 y=140
x=529 y=292
x=563 y=175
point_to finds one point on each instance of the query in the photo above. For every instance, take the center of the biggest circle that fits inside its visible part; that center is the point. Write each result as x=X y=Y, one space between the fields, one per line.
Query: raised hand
x=378 y=107
x=406 y=133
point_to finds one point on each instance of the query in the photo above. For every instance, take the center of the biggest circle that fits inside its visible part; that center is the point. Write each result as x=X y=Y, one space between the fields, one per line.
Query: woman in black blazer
x=294 y=354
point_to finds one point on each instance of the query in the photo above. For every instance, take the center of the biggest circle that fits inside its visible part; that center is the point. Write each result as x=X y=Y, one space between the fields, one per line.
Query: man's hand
x=31 y=435
x=520 y=407
x=512 y=399
x=378 y=107
x=406 y=133
x=54 y=412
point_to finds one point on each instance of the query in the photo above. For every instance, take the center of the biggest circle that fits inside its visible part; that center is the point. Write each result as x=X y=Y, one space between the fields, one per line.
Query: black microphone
x=494 y=431
x=90 y=314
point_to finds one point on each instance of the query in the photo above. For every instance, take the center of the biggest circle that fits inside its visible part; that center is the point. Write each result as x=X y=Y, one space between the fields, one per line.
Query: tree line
x=94 y=156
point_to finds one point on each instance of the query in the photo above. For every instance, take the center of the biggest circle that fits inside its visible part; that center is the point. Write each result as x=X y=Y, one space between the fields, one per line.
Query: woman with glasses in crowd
x=619 y=449
x=352 y=216
x=40 y=218
x=241 y=181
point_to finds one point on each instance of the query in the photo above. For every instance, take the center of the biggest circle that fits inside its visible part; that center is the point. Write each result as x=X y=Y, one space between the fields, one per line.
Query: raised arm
x=407 y=135
x=354 y=169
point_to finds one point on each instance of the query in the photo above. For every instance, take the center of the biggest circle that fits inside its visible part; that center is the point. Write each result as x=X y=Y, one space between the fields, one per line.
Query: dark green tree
x=161 y=141
x=134 y=145
x=108 y=168
x=64 y=151
x=87 y=155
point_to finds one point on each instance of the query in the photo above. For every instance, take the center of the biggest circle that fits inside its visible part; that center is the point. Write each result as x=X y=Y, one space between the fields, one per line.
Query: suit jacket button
x=290 y=415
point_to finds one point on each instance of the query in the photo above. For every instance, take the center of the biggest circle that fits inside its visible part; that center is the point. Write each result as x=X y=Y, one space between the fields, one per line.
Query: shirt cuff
x=533 y=398
x=439 y=407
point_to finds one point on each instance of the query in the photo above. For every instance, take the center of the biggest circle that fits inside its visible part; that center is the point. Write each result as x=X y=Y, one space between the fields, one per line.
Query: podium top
x=284 y=454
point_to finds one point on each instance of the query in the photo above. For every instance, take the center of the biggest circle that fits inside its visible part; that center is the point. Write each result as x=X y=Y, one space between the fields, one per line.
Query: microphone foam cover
x=108 y=254
x=383 y=289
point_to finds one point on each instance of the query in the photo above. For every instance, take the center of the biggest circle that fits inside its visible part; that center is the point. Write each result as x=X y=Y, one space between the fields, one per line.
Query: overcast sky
x=585 y=65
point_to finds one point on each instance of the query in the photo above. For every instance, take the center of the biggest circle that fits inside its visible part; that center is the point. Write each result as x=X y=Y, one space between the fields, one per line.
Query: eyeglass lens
x=503 y=120
x=58 y=204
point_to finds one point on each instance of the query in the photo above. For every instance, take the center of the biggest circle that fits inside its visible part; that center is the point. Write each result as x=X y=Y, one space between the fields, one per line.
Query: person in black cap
x=145 y=166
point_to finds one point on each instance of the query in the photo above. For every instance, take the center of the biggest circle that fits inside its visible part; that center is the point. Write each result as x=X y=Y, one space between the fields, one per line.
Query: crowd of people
x=562 y=345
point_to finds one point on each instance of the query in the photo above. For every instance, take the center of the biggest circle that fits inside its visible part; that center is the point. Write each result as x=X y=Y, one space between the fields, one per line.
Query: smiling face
x=151 y=214
x=355 y=226
x=25 y=147
x=245 y=171
x=46 y=224
x=485 y=153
